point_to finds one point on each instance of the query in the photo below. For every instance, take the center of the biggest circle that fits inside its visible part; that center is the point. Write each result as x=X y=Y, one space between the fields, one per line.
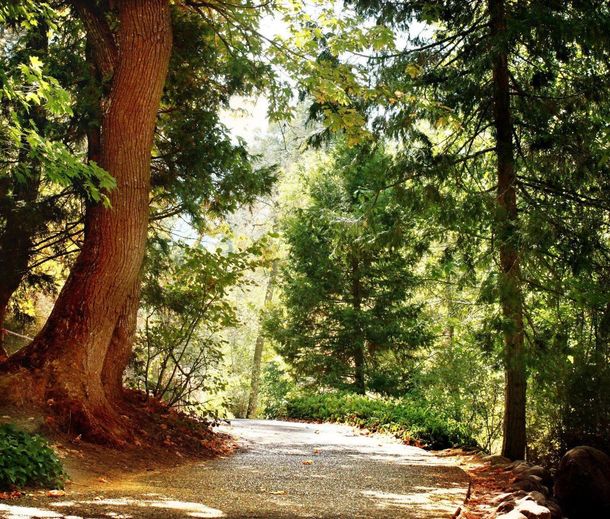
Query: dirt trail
x=282 y=470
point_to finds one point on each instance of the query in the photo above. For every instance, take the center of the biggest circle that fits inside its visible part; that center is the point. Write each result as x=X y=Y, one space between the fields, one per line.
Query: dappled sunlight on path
x=282 y=470
x=117 y=508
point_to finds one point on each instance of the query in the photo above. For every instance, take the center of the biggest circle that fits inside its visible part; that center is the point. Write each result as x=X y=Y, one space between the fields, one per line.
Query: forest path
x=282 y=470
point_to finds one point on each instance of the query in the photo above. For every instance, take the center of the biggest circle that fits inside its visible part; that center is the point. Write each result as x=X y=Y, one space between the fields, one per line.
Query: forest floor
x=162 y=439
x=488 y=481
x=280 y=470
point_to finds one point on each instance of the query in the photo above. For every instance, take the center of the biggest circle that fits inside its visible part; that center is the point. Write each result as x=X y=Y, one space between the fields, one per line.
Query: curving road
x=283 y=470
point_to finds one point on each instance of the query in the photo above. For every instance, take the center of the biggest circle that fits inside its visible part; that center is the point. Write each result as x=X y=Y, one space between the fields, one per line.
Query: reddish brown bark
x=66 y=360
x=121 y=345
x=511 y=298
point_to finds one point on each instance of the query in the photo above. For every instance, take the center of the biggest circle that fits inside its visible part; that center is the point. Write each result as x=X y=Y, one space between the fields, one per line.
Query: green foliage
x=570 y=389
x=198 y=168
x=433 y=93
x=37 y=105
x=186 y=309
x=404 y=418
x=27 y=460
x=447 y=385
x=349 y=274
x=276 y=386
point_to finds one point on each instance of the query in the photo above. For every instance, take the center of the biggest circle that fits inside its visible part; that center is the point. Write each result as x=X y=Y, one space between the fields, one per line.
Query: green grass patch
x=405 y=419
x=26 y=460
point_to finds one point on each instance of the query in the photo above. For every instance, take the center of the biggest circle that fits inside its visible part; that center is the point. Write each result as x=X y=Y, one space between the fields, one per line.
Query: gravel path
x=283 y=470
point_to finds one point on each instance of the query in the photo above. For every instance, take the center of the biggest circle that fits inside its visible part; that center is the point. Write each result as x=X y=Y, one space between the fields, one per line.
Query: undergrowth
x=26 y=460
x=407 y=420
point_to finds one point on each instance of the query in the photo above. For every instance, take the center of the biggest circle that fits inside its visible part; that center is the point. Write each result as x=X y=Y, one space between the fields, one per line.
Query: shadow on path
x=283 y=470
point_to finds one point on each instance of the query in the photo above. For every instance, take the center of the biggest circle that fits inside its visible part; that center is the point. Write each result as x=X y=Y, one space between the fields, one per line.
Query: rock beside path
x=530 y=495
x=583 y=483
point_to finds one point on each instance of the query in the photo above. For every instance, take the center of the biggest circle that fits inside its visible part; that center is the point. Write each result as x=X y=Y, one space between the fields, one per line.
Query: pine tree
x=348 y=275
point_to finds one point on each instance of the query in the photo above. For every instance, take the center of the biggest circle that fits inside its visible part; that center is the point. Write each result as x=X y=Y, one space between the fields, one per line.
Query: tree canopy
x=428 y=203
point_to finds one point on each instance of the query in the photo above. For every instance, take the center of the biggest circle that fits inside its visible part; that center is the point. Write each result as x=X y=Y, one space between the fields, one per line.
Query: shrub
x=275 y=388
x=408 y=420
x=27 y=460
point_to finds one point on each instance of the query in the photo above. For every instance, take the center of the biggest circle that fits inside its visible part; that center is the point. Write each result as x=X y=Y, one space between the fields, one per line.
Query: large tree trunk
x=21 y=220
x=65 y=361
x=121 y=345
x=511 y=298
x=258 y=349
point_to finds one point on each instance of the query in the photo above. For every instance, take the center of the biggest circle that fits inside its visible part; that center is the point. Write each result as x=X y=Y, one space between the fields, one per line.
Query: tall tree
x=65 y=361
x=348 y=275
x=40 y=175
x=196 y=168
x=259 y=344
x=511 y=298
x=485 y=75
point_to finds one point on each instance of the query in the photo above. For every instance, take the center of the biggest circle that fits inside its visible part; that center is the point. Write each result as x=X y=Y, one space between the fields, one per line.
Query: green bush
x=407 y=420
x=27 y=460
x=275 y=388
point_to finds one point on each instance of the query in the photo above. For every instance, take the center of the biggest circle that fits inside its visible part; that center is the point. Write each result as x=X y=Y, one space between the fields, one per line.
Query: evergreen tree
x=349 y=274
x=494 y=78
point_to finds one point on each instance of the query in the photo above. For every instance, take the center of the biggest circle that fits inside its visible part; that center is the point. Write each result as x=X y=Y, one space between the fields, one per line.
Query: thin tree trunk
x=3 y=352
x=258 y=348
x=16 y=239
x=358 y=346
x=450 y=328
x=21 y=219
x=65 y=361
x=511 y=298
x=15 y=246
x=602 y=330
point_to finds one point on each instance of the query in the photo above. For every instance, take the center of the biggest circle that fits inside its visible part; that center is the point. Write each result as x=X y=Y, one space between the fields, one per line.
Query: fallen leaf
x=56 y=493
x=308 y=462
x=11 y=495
